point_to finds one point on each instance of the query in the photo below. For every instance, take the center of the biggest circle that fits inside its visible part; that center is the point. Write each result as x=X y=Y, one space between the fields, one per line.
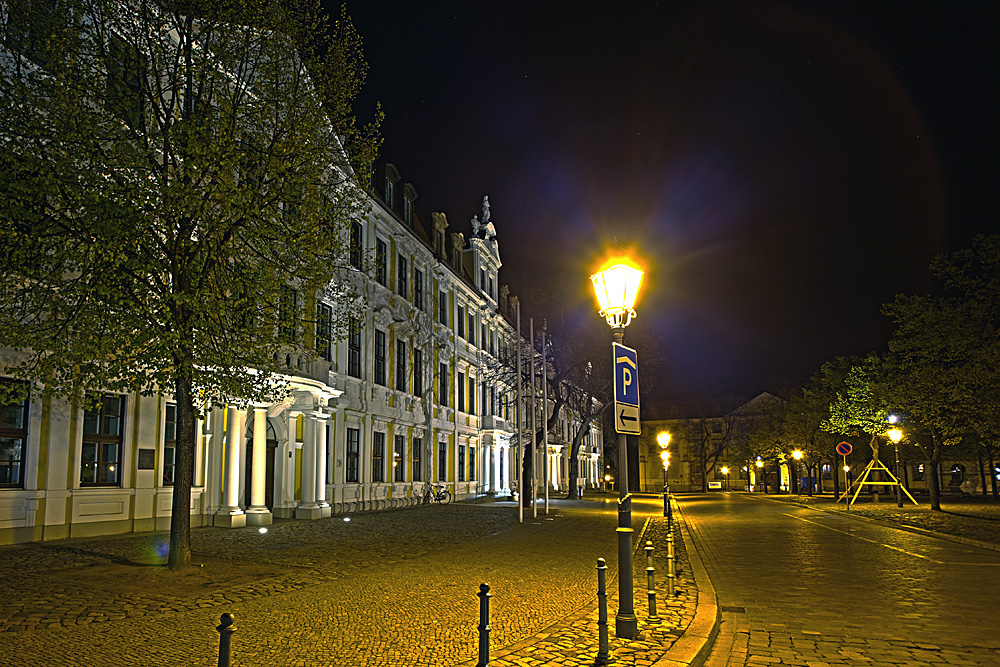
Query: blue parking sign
x=626 y=375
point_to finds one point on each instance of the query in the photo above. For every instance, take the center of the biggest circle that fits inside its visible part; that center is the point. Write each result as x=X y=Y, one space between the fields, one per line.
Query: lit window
x=103 y=433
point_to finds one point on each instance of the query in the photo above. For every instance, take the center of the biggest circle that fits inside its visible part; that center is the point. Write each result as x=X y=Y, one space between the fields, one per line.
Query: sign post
x=844 y=448
x=626 y=408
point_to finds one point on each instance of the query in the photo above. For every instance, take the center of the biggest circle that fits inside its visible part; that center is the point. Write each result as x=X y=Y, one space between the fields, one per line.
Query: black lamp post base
x=626 y=627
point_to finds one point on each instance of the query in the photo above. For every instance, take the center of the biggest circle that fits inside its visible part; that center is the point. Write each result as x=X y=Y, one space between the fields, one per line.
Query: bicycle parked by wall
x=439 y=494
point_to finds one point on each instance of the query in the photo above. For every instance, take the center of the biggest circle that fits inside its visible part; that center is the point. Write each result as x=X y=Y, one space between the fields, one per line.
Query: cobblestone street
x=385 y=588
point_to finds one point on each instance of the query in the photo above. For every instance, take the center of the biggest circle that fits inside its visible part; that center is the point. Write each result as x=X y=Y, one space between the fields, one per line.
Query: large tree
x=174 y=185
x=944 y=353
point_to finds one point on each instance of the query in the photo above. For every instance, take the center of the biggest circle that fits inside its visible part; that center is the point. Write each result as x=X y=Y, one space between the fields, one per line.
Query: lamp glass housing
x=616 y=288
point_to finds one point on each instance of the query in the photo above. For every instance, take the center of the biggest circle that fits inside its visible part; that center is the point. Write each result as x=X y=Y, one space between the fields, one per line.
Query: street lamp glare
x=665 y=457
x=759 y=463
x=895 y=435
x=725 y=471
x=663 y=439
x=616 y=286
x=797 y=454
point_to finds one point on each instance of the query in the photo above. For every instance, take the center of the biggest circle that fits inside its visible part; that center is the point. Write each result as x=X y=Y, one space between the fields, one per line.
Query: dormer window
x=408 y=211
x=390 y=193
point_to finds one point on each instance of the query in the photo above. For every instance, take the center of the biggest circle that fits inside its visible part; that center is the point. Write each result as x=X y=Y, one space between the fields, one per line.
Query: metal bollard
x=602 y=611
x=670 y=564
x=650 y=583
x=226 y=630
x=484 y=626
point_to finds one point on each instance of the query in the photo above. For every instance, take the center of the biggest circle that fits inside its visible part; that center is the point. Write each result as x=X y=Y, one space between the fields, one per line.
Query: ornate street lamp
x=663 y=440
x=616 y=286
x=725 y=471
x=895 y=435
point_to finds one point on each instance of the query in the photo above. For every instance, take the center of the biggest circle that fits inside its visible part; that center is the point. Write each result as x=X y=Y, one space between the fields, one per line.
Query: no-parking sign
x=844 y=448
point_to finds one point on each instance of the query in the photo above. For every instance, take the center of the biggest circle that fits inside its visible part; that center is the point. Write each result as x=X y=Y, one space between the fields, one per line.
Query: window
x=442 y=461
x=379 y=357
x=443 y=384
x=288 y=305
x=381 y=256
x=482 y=279
x=461 y=391
x=13 y=441
x=482 y=335
x=493 y=400
x=378 y=457
x=472 y=328
x=461 y=321
x=401 y=365
x=390 y=193
x=484 y=403
x=418 y=372
x=357 y=245
x=402 y=277
x=493 y=344
x=169 y=444
x=353 y=455
x=418 y=446
x=418 y=289
x=354 y=349
x=399 y=459
x=472 y=395
x=408 y=211
x=103 y=429
x=439 y=243
x=461 y=463
x=489 y=285
x=472 y=463
x=324 y=331
x=443 y=308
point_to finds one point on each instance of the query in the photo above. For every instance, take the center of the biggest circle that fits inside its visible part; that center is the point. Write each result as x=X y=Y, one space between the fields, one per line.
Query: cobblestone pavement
x=386 y=588
x=801 y=587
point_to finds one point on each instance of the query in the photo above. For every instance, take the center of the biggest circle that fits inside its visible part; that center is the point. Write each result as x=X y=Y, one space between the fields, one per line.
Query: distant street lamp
x=760 y=471
x=797 y=455
x=896 y=435
x=616 y=286
x=663 y=440
x=725 y=471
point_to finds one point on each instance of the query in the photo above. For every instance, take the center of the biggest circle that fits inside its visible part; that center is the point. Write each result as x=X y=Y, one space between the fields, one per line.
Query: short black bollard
x=602 y=611
x=670 y=564
x=226 y=630
x=484 y=626
x=650 y=582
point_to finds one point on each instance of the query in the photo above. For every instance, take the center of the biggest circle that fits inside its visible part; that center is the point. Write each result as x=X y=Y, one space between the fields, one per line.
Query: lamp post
x=616 y=286
x=663 y=440
x=725 y=471
x=896 y=435
x=797 y=456
x=760 y=471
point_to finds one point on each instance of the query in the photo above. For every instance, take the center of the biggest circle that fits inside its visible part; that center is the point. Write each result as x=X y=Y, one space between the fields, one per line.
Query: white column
x=258 y=514
x=284 y=470
x=497 y=473
x=230 y=515
x=309 y=508
x=322 y=447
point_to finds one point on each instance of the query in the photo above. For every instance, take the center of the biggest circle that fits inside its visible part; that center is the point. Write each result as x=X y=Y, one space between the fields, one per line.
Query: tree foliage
x=173 y=192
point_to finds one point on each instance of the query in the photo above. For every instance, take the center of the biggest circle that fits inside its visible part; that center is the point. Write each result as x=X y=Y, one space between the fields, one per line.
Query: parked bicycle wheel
x=445 y=497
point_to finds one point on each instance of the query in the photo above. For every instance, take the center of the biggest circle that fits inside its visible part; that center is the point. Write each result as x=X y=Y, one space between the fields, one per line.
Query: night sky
x=782 y=168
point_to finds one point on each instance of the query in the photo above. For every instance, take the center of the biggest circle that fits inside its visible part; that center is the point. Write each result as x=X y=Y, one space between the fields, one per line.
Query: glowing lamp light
x=262 y=530
x=616 y=286
x=663 y=439
x=797 y=455
x=895 y=435
x=665 y=457
x=725 y=470
x=759 y=463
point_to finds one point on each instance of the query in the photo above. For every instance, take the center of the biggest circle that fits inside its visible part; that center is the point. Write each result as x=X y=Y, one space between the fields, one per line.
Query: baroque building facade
x=419 y=393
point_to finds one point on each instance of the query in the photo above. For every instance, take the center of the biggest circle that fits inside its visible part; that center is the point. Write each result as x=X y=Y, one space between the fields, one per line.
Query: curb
x=693 y=647
x=898 y=526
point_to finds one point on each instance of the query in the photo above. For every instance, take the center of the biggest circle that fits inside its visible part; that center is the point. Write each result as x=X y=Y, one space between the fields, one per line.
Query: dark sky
x=783 y=168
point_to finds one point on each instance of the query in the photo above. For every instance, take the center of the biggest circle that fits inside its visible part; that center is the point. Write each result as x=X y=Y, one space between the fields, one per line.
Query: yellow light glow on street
x=895 y=435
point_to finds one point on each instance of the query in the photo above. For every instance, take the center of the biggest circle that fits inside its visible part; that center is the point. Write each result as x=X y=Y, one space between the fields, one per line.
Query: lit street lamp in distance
x=797 y=455
x=616 y=286
x=663 y=440
x=895 y=435
x=760 y=472
x=725 y=471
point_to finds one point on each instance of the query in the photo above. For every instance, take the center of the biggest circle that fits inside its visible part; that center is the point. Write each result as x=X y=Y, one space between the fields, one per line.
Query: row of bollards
x=226 y=628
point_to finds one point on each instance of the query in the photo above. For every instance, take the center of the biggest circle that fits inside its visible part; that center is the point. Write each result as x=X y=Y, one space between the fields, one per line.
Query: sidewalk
x=54 y=588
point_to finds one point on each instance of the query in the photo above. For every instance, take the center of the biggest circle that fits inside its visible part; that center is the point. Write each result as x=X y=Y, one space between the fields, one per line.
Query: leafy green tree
x=945 y=353
x=173 y=190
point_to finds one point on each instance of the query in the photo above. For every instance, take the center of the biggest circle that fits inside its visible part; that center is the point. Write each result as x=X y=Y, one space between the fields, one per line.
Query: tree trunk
x=982 y=472
x=704 y=465
x=834 y=468
x=935 y=481
x=527 y=466
x=809 y=475
x=179 y=556
x=993 y=471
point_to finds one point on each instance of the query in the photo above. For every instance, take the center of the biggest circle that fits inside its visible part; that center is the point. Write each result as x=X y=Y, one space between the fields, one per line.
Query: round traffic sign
x=844 y=448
